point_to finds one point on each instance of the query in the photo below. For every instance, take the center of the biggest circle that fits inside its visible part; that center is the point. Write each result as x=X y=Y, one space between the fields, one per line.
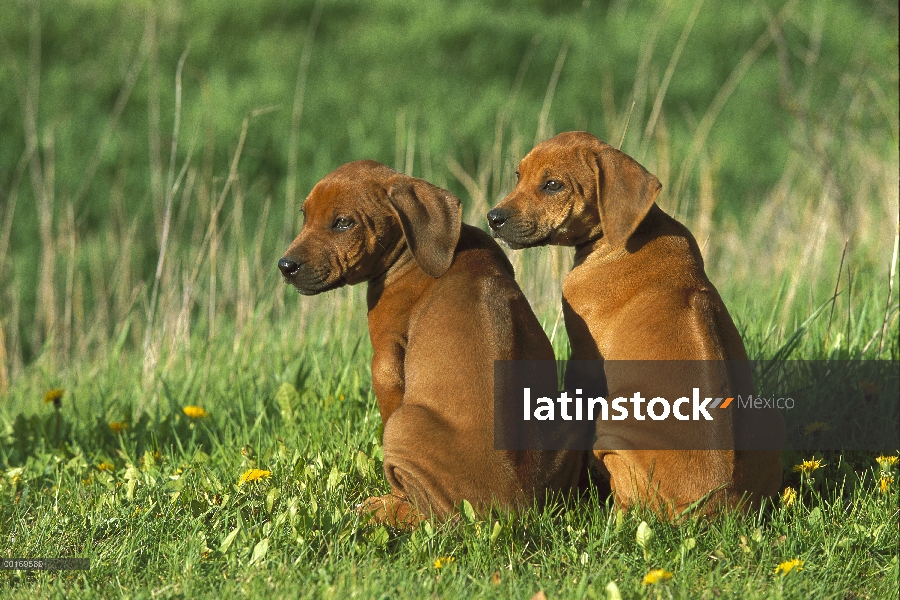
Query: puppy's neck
x=399 y=267
x=585 y=249
x=598 y=248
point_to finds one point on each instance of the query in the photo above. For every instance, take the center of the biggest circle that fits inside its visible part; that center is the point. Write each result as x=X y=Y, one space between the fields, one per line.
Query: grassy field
x=152 y=160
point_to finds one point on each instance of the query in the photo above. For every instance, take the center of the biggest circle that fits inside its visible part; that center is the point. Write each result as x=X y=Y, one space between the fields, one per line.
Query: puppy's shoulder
x=478 y=254
x=665 y=245
x=481 y=274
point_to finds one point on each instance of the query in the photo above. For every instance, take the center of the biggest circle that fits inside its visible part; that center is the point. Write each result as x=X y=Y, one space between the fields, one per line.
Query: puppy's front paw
x=391 y=510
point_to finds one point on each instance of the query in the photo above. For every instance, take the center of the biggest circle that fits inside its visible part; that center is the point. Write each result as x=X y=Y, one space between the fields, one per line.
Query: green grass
x=170 y=518
x=141 y=284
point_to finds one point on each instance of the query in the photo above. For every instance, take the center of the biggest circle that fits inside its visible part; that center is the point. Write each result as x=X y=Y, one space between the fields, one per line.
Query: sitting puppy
x=638 y=292
x=443 y=306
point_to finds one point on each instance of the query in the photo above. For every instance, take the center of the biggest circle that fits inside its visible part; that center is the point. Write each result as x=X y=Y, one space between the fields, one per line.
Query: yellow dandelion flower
x=868 y=388
x=655 y=576
x=788 y=566
x=254 y=475
x=808 y=466
x=788 y=496
x=54 y=396
x=118 y=426
x=106 y=466
x=886 y=462
x=885 y=483
x=15 y=474
x=444 y=561
x=195 y=412
x=816 y=427
x=150 y=457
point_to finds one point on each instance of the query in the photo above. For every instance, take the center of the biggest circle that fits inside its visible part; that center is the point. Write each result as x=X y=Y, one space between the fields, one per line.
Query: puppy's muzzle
x=515 y=231
x=496 y=218
x=288 y=267
x=308 y=280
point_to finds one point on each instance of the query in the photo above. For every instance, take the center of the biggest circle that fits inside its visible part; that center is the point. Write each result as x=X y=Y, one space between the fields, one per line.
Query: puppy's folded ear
x=431 y=219
x=625 y=193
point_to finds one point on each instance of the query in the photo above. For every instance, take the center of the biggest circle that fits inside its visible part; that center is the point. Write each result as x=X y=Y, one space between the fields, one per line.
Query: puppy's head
x=362 y=217
x=571 y=189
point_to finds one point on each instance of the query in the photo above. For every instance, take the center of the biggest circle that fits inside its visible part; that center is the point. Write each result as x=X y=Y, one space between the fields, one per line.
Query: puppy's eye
x=552 y=185
x=342 y=224
x=517 y=175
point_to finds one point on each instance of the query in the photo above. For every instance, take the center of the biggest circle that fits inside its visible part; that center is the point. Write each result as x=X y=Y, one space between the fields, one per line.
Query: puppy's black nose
x=496 y=218
x=288 y=267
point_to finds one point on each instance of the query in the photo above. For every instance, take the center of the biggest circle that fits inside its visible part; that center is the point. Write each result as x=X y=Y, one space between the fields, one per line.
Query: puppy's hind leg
x=391 y=509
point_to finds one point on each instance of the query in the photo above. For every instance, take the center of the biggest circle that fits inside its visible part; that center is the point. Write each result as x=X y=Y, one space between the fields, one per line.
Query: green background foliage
x=445 y=68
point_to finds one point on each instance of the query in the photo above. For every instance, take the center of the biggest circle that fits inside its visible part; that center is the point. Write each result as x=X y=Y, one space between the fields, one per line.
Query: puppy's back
x=483 y=269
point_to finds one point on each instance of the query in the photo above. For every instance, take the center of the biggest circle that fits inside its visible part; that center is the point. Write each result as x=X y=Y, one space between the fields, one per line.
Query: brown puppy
x=638 y=292
x=443 y=306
